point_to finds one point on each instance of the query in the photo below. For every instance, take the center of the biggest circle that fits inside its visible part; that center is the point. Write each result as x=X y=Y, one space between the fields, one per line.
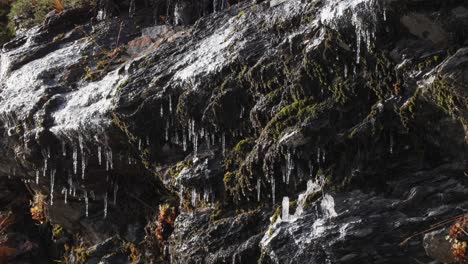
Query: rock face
x=356 y=110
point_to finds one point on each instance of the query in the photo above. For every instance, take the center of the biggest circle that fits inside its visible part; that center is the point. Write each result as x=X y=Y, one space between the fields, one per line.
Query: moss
x=240 y=14
x=445 y=97
x=57 y=231
x=276 y=214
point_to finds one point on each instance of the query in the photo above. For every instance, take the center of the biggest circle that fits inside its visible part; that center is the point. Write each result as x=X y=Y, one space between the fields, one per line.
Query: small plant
x=458 y=238
x=39 y=208
x=165 y=222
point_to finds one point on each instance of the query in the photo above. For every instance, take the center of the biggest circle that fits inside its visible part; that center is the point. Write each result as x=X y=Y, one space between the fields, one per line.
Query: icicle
x=70 y=182
x=132 y=8
x=99 y=155
x=65 y=193
x=45 y=166
x=64 y=149
x=83 y=165
x=223 y=143
x=184 y=141
x=290 y=167
x=385 y=14
x=194 y=198
x=105 y=205
x=161 y=113
x=323 y=156
x=37 y=176
x=116 y=188
x=167 y=130
x=273 y=190
x=147 y=141
x=318 y=155
x=242 y=112
x=285 y=206
x=86 y=203
x=195 y=144
x=170 y=104
x=259 y=185
x=48 y=152
x=346 y=71
x=52 y=183
x=75 y=159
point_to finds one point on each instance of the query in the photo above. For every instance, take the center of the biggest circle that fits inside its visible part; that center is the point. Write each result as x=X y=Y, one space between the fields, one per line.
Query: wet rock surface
x=355 y=110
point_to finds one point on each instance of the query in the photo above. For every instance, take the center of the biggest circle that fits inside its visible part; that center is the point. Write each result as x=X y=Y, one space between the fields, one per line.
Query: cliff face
x=271 y=132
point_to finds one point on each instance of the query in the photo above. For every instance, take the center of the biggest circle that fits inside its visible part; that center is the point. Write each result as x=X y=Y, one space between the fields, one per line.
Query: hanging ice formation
x=105 y=205
x=52 y=183
x=37 y=176
x=285 y=207
x=65 y=193
x=223 y=143
x=86 y=203
x=64 y=149
x=75 y=159
x=100 y=155
x=290 y=167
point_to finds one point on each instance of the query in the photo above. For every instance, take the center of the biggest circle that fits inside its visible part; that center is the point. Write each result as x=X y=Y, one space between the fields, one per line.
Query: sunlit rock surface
x=276 y=131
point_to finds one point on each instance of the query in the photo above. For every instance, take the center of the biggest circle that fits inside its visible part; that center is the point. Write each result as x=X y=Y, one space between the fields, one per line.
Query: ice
x=64 y=149
x=285 y=207
x=161 y=112
x=259 y=185
x=37 y=176
x=193 y=197
x=167 y=130
x=132 y=8
x=290 y=167
x=99 y=152
x=170 y=104
x=83 y=165
x=363 y=18
x=328 y=206
x=105 y=205
x=312 y=187
x=65 y=193
x=86 y=203
x=45 y=166
x=52 y=183
x=223 y=143
x=184 y=141
x=75 y=159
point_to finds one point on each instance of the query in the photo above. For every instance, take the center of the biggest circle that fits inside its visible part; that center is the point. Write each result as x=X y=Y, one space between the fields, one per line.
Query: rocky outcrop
x=354 y=110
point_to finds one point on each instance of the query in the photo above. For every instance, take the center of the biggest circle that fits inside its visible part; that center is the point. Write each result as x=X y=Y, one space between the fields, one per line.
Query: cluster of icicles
x=105 y=158
x=193 y=133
